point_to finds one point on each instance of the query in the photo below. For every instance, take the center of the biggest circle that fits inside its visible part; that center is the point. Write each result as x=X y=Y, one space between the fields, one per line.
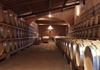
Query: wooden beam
x=50 y=21
x=65 y=1
x=47 y=10
x=26 y=3
x=64 y=24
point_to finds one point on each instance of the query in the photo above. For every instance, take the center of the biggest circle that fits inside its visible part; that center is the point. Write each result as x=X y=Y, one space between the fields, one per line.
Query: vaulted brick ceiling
x=27 y=8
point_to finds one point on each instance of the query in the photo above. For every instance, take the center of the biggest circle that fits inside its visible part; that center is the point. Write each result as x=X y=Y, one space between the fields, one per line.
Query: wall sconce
x=77 y=10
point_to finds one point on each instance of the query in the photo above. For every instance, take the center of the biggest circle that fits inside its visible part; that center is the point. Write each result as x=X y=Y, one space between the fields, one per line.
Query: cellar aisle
x=38 y=57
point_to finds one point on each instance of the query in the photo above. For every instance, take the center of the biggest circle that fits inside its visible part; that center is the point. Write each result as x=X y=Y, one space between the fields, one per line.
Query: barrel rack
x=81 y=54
x=84 y=41
x=87 y=25
x=15 y=34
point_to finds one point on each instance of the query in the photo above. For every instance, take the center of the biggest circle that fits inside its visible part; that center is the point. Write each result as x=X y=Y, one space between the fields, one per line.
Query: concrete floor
x=38 y=57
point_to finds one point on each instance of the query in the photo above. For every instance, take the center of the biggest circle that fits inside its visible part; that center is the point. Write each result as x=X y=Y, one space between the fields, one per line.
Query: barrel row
x=15 y=33
x=10 y=32
x=85 y=53
x=9 y=46
x=95 y=20
x=10 y=18
x=91 y=32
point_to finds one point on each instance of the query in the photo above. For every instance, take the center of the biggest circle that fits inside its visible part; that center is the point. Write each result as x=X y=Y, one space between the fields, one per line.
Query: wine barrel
x=95 y=32
x=64 y=46
x=1 y=15
x=19 y=44
x=16 y=45
x=3 y=31
x=80 y=51
x=15 y=33
x=96 y=44
x=24 y=25
x=98 y=32
x=9 y=32
x=24 y=34
x=27 y=41
x=1 y=48
x=6 y=45
x=72 y=49
x=97 y=19
x=21 y=33
x=81 y=25
x=12 y=45
x=86 y=23
x=21 y=24
x=22 y=43
x=18 y=33
x=85 y=33
x=68 y=47
x=91 y=58
x=71 y=66
x=90 y=32
x=78 y=26
x=4 y=16
x=18 y=22
x=12 y=19
x=92 y=21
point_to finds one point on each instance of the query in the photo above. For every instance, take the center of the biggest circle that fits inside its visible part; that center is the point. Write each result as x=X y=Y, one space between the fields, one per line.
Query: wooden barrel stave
x=73 y=50
x=97 y=19
x=3 y=31
x=16 y=21
x=15 y=33
x=12 y=45
x=91 y=58
x=98 y=32
x=1 y=48
x=68 y=48
x=6 y=45
x=4 y=16
x=10 y=32
x=12 y=20
x=16 y=45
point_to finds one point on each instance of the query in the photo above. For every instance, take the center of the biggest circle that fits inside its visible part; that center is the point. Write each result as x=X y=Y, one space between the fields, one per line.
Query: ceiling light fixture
x=50 y=27
x=49 y=15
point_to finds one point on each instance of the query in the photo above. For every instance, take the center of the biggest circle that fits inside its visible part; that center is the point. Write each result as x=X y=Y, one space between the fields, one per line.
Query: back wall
x=58 y=30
